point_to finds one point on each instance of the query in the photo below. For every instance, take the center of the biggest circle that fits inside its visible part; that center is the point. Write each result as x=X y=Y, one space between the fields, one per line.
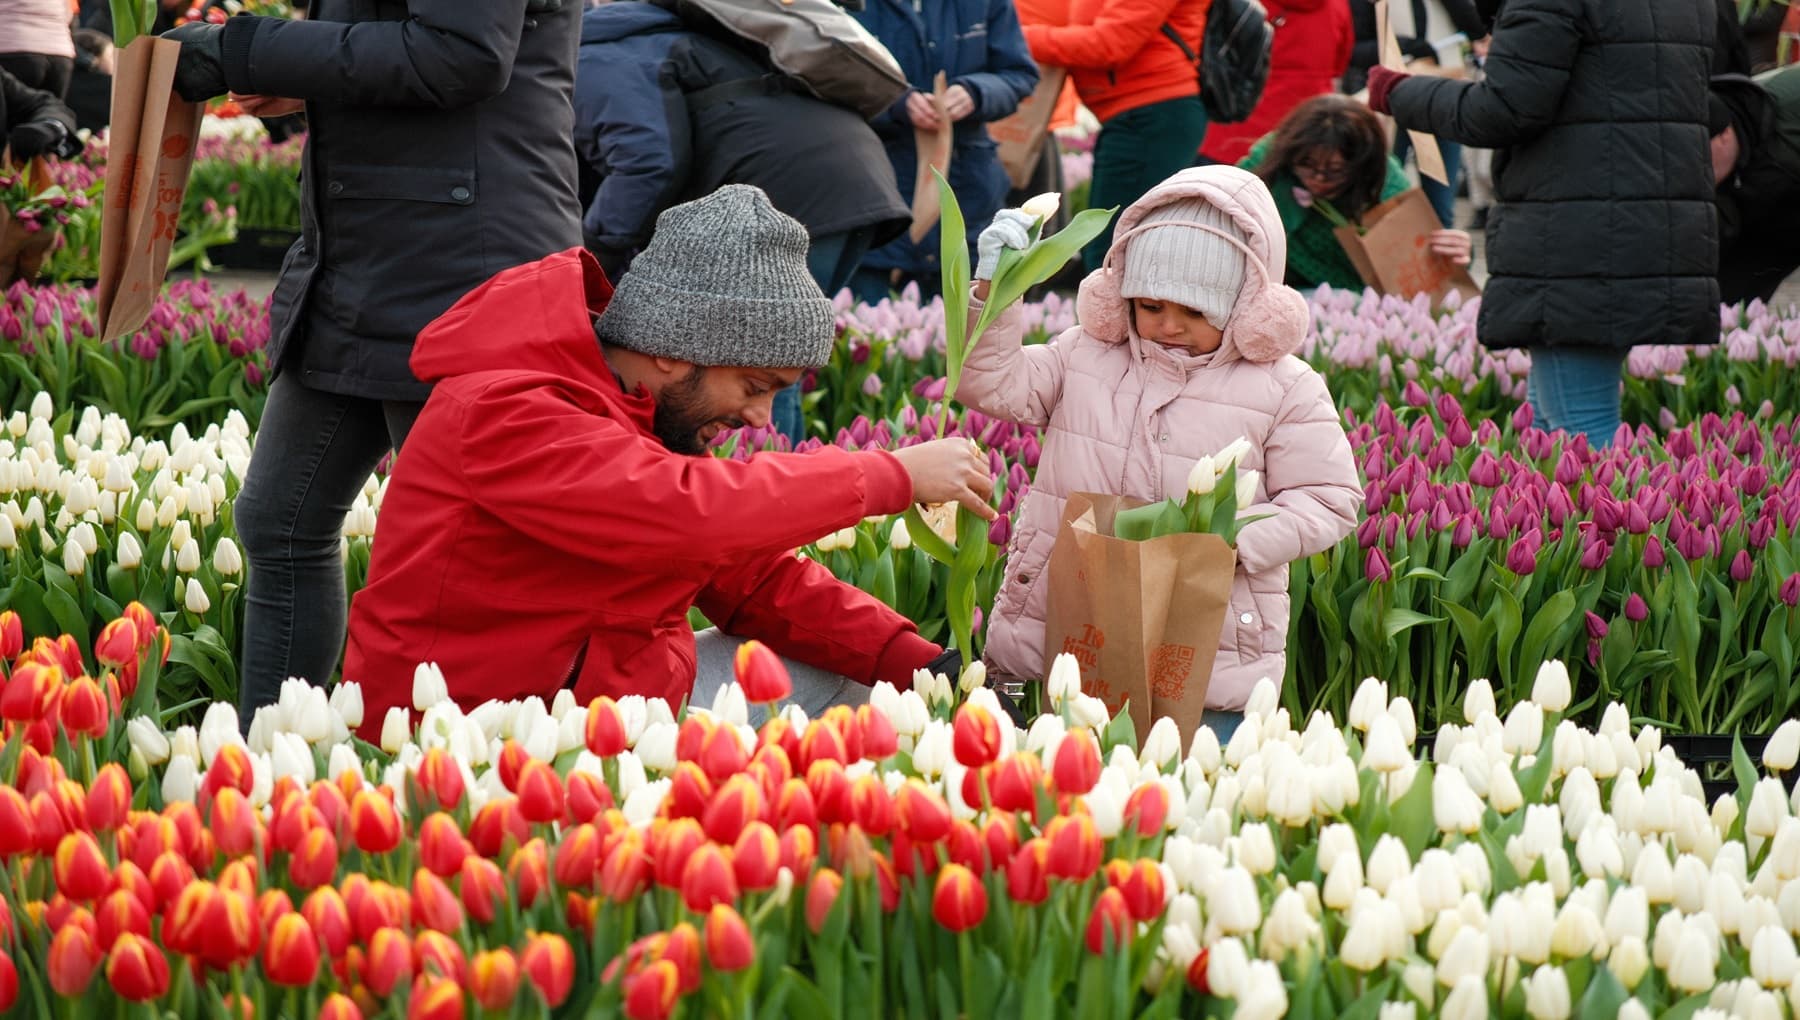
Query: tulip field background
x=1464 y=800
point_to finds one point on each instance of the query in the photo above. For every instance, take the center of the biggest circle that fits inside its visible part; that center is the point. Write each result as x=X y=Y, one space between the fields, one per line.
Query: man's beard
x=681 y=413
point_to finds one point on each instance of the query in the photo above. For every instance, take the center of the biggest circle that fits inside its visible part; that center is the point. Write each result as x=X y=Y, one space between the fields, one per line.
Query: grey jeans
x=815 y=689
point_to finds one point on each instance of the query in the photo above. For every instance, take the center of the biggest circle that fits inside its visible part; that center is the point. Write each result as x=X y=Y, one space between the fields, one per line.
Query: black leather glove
x=200 y=73
x=42 y=138
x=949 y=663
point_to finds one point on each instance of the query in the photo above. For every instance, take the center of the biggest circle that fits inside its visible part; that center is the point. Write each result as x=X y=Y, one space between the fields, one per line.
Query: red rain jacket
x=533 y=513
x=1117 y=54
x=1313 y=39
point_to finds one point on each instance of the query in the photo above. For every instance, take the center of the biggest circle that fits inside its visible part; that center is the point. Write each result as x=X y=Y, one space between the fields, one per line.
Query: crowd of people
x=602 y=234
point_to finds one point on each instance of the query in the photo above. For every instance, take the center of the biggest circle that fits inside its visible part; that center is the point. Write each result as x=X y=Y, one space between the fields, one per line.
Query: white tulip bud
x=1551 y=689
x=187 y=558
x=1232 y=902
x=1202 y=477
x=347 y=699
x=1043 y=206
x=1773 y=961
x=1162 y=744
x=1385 y=751
x=1369 y=703
x=1064 y=682
x=1524 y=730
x=1547 y=994
x=1628 y=961
x=898 y=537
x=182 y=780
x=1454 y=806
x=146 y=738
x=429 y=686
x=1783 y=748
x=1247 y=483
x=1768 y=807
x=74 y=561
x=1694 y=964
x=226 y=559
x=396 y=729
x=41 y=407
x=128 y=552
x=196 y=599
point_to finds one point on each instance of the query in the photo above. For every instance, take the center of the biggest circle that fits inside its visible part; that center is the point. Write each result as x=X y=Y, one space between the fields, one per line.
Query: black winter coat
x=441 y=152
x=1603 y=231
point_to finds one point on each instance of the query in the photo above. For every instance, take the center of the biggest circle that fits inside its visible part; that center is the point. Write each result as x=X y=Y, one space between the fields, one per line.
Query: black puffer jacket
x=441 y=152
x=1603 y=232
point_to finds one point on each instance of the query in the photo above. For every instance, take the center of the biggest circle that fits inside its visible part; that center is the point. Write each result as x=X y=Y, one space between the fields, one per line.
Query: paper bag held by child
x=1143 y=619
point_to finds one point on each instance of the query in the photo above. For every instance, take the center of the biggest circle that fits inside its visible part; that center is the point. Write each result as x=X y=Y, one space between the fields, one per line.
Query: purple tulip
x=1596 y=627
x=1458 y=433
x=1742 y=569
x=1569 y=468
x=1440 y=516
x=1414 y=394
x=1000 y=532
x=1485 y=471
x=1368 y=532
x=1790 y=590
x=1448 y=408
x=1487 y=432
x=1761 y=531
x=1595 y=554
x=1635 y=609
x=1522 y=418
x=1464 y=533
x=1390 y=528
x=1654 y=556
x=1521 y=558
x=1691 y=544
x=1636 y=521
x=1376 y=568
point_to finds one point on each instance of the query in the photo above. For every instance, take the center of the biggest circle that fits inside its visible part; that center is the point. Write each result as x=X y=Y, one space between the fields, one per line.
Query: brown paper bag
x=152 y=148
x=933 y=152
x=1425 y=147
x=1143 y=619
x=1021 y=137
x=22 y=251
x=1393 y=253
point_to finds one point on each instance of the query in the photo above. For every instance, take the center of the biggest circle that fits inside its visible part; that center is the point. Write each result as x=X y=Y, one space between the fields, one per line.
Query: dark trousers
x=313 y=452
x=832 y=260
x=1136 y=151
x=40 y=71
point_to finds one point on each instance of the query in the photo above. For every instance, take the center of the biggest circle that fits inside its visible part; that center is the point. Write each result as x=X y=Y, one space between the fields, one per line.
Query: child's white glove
x=1011 y=229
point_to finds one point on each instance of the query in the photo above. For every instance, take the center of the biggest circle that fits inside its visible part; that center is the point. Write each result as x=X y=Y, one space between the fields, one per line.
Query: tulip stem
x=968 y=971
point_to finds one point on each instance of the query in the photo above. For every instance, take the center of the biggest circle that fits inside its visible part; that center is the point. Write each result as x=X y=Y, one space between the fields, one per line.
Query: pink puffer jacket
x=1132 y=418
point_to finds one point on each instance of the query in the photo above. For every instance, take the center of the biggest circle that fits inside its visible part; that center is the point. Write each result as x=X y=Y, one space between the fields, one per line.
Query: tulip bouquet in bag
x=1138 y=593
x=30 y=212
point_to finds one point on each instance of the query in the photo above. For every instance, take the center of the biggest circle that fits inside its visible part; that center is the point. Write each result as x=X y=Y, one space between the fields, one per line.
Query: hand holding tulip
x=950 y=470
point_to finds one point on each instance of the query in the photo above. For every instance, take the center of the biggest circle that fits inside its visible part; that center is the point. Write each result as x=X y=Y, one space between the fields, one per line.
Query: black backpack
x=1233 y=62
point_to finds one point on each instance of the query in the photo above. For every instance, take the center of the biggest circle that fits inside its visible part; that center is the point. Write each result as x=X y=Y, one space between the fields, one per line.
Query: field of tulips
x=1663 y=570
x=919 y=856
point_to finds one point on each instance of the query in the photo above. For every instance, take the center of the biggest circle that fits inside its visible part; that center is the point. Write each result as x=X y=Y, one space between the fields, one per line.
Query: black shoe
x=1478 y=219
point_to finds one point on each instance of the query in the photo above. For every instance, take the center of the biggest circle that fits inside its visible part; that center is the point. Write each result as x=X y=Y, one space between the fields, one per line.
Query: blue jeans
x=832 y=261
x=1576 y=388
x=1441 y=196
x=1223 y=724
x=314 y=450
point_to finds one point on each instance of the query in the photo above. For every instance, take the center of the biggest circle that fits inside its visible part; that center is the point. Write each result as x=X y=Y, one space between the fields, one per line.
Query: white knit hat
x=1184 y=265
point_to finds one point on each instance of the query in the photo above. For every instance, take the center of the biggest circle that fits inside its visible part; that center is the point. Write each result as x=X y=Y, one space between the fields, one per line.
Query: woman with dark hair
x=1327 y=164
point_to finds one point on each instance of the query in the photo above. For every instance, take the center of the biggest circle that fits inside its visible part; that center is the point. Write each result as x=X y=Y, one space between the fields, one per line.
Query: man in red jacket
x=556 y=513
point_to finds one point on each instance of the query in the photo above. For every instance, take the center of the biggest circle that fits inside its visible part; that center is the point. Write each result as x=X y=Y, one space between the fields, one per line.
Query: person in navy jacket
x=981 y=50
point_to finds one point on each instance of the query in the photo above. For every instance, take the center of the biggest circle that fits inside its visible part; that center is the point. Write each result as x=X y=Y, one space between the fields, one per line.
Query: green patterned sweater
x=1314 y=255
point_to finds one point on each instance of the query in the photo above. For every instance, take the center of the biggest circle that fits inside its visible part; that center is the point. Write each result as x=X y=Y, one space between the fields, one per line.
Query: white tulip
x=1343 y=881
x=1162 y=745
x=1773 y=961
x=1089 y=711
x=1369 y=703
x=1227 y=968
x=347 y=700
x=1503 y=789
x=1398 y=1011
x=429 y=686
x=899 y=538
x=644 y=802
x=1466 y=956
x=1256 y=848
x=1202 y=477
x=184 y=742
x=1181 y=943
x=1784 y=853
x=1568 y=748
x=1551 y=689
x=226 y=559
x=1335 y=840
x=1265 y=698
x=1768 y=808
x=1628 y=961
x=1693 y=965
x=1233 y=453
x=128 y=552
x=1454 y=806
x=218 y=727
x=1524 y=731
x=1385 y=751
x=196 y=600
x=1291 y=799
x=41 y=407
x=1232 y=902
x=343 y=758
x=1043 y=206
x=974 y=676
x=1437 y=880
x=147 y=739
x=1264 y=995
x=1547 y=994
x=1597 y=850
x=9 y=535
x=74 y=560
x=1388 y=861
x=1783 y=748
x=1580 y=799
x=1577 y=932
x=1468 y=1000
x=1289 y=926
x=1244 y=742
x=290 y=756
x=182 y=780
x=1064 y=683
x=656 y=747
x=396 y=729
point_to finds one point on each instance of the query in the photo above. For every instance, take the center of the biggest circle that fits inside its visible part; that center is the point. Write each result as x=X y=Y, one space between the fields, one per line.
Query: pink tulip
x=1635 y=609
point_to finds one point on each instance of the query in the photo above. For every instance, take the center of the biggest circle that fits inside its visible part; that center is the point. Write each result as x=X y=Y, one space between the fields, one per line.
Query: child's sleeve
x=1006 y=379
x=1310 y=480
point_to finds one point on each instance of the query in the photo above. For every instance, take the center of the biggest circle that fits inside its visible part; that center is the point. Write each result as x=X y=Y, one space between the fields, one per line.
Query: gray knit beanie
x=1190 y=267
x=723 y=282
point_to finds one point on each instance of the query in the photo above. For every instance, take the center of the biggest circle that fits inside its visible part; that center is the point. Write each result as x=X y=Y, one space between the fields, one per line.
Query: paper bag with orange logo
x=151 y=143
x=1393 y=252
x=1143 y=619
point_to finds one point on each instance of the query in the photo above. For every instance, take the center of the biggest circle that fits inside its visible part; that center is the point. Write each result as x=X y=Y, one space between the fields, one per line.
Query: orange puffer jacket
x=1117 y=54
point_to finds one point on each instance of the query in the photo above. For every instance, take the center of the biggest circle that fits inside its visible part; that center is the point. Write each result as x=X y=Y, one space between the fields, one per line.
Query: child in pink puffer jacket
x=1186 y=343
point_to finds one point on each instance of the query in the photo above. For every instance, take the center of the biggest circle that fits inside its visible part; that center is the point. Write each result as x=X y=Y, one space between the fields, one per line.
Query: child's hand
x=1011 y=229
x=1454 y=245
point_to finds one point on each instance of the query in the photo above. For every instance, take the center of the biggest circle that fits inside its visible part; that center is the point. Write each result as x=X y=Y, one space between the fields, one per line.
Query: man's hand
x=946 y=470
x=923 y=112
x=42 y=137
x=1011 y=228
x=200 y=71
x=958 y=102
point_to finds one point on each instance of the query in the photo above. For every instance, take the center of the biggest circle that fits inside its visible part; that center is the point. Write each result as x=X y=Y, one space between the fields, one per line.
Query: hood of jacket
x=622 y=19
x=538 y=317
x=1246 y=199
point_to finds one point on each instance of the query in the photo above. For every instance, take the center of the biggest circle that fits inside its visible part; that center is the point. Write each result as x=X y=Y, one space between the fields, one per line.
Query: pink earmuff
x=1268 y=315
